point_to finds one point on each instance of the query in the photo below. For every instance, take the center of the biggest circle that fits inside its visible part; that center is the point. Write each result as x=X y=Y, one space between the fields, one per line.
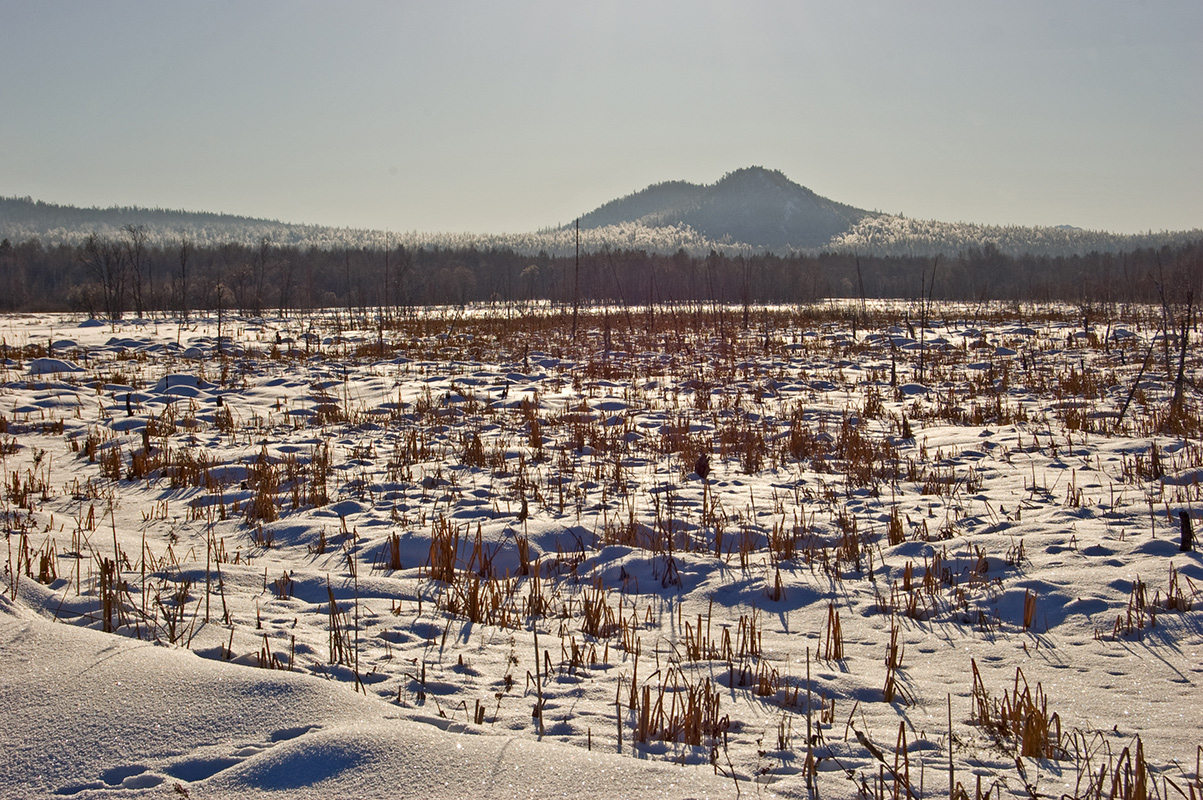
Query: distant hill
x=23 y=218
x=757 y=207
x=750 y=210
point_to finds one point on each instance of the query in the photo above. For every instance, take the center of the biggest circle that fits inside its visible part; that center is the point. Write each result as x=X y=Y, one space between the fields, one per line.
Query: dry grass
x=1020 y=717
x=843 y=437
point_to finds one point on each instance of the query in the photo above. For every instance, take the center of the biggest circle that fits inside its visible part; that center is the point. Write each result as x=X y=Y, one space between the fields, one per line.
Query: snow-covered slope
x=92 y=715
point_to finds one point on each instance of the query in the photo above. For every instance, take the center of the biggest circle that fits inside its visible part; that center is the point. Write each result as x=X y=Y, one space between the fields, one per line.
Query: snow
x=89 y=713
x=44 y=366
x=281 y=625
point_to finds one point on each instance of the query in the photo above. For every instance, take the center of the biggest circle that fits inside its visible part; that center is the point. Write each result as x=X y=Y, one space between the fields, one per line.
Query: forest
x=132 y=274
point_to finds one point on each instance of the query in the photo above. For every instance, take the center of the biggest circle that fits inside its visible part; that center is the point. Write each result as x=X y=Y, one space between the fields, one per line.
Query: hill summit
x=752 y=206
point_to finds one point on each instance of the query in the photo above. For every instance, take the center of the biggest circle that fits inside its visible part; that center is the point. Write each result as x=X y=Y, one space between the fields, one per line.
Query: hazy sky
x=511 y=116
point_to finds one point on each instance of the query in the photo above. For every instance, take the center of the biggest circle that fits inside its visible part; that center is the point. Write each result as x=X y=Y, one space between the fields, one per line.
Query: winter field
x=463 y=553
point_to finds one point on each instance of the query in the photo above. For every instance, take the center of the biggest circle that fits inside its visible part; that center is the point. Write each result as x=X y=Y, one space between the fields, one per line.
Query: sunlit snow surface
x=1013 y=486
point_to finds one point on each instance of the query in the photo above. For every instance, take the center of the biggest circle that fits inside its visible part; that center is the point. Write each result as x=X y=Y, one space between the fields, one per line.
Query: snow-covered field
x=464 y=554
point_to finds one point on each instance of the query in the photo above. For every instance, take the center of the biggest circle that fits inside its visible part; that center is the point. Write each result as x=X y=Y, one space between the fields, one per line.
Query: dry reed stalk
x=894 y=530
x=893 y=688
x=833 y=641
x=1029 y=609
x=394 y=551
x=283 y=586
x=776 y=592
x=444 y=547
x=340 y=645
x=108 y=594
x=1021 y=715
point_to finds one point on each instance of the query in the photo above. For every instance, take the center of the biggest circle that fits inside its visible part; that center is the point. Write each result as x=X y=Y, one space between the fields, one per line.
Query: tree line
x=127 y=274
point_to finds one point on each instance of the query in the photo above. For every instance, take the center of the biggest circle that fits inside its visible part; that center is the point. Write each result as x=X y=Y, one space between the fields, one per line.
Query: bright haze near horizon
x=507 y=117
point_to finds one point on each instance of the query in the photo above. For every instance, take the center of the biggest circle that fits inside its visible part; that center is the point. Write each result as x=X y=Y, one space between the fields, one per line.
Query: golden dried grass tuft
x=1020 y=717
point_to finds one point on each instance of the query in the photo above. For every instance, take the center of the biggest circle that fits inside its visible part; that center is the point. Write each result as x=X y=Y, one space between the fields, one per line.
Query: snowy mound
x=47 y=366
x=125 y=714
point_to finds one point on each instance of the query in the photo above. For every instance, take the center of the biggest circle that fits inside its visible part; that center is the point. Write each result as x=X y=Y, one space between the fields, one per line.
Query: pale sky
x=494 y=117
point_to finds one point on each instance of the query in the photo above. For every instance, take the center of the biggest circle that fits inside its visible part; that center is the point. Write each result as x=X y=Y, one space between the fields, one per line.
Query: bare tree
x=181 y=289
x=286 y=273
x=184 y=253
x=136 y=257
x=105 y=261
x=1179 y=400
x=401 y=288
x=261 y=262
x=13 y=274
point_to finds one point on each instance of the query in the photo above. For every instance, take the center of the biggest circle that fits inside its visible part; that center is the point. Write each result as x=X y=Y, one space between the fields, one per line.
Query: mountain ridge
x=754 y=206
x=750 y=210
